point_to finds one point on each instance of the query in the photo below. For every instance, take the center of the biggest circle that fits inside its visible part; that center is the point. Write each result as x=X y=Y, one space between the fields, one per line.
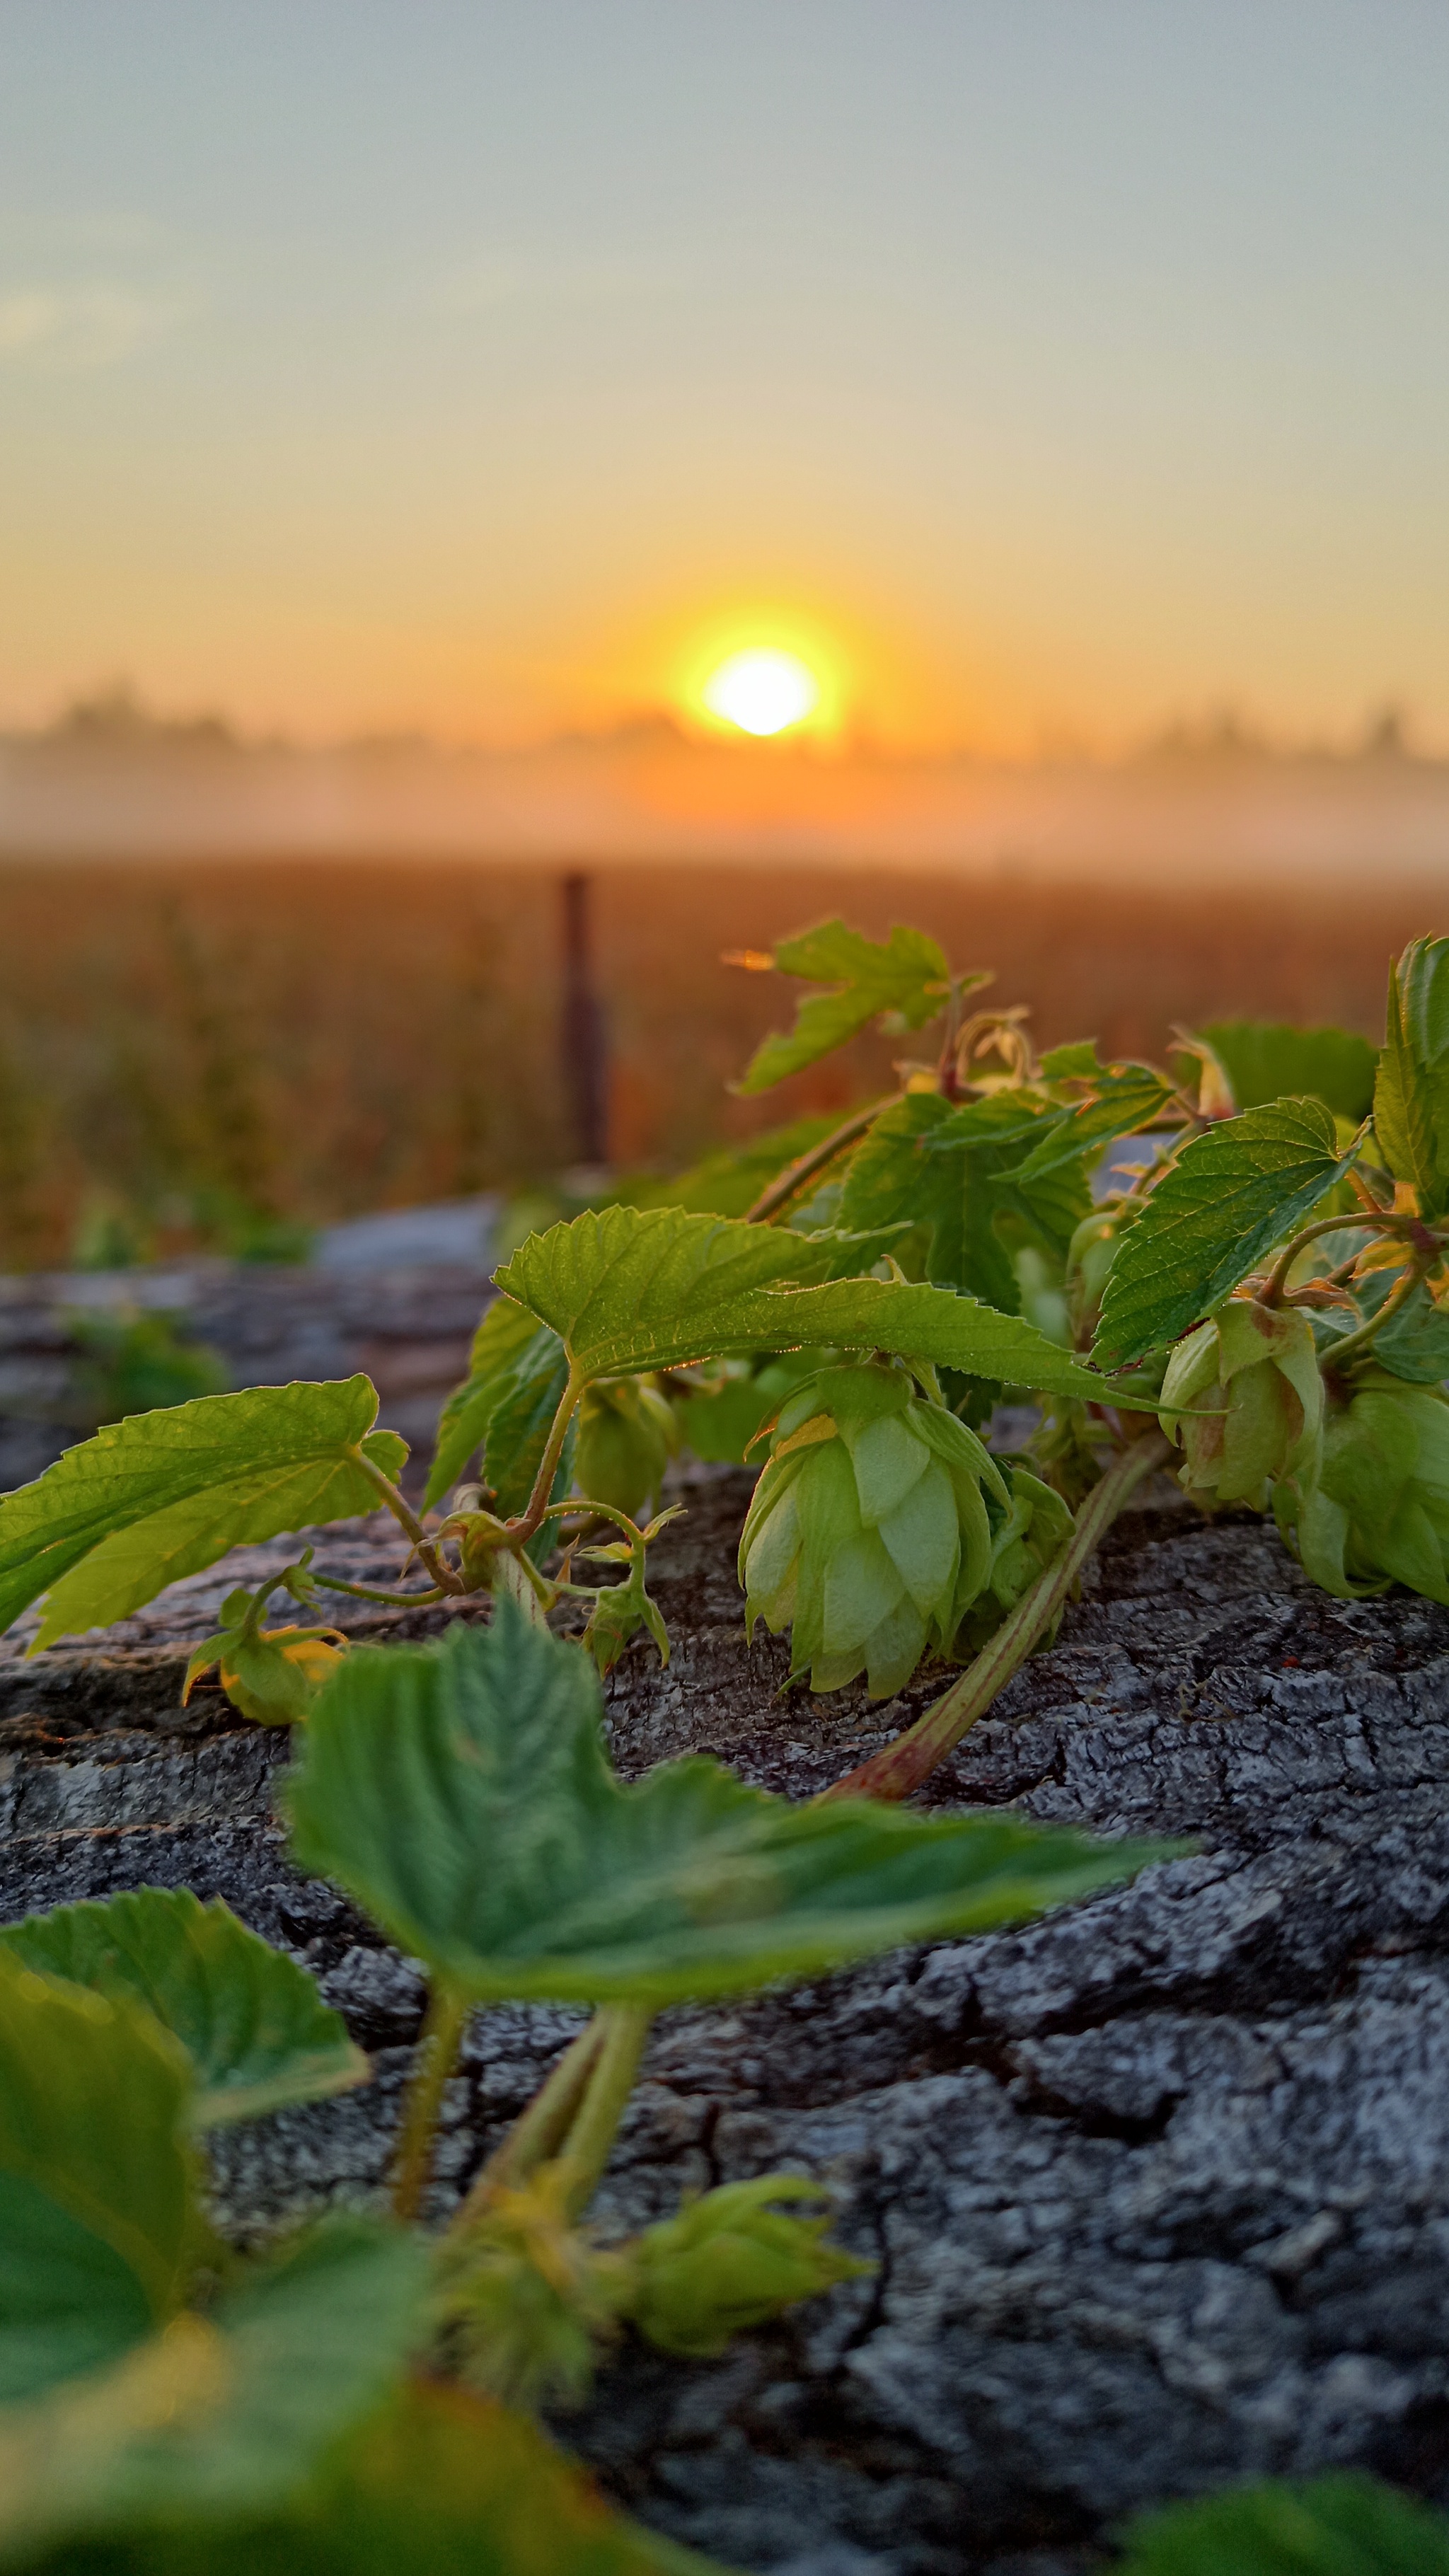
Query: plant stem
x=1353 y=1345
x=436 y=2057
x=787 y=1185
x=531 y=1518
x=1388 y=1223
x=514 y=1575
x=589 y=2144
x=900 y=1768
x=540 y=2130
x=369 y=1592
x=402 y=1512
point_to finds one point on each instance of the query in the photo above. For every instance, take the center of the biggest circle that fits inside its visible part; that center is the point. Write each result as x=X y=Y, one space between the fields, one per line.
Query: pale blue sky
x=1076 y=362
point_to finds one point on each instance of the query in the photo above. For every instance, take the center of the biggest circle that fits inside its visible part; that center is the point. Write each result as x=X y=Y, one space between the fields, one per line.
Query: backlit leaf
x=1341 y=2525
x=1232 y=1194
x=249 y=2018
x=161 y=1495
x=631 y=1289
x=98 y=2219
x=224 y=2413
x=462 y=1793
x=905 y=973
x=1267 y=1060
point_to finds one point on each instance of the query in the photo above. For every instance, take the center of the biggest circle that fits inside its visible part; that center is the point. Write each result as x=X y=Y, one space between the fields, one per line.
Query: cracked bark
x=1159 y=2187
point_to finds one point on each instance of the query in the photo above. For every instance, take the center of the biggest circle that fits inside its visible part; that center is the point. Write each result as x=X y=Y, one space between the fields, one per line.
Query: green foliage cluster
x=164 y=2395
x=1253 y=1287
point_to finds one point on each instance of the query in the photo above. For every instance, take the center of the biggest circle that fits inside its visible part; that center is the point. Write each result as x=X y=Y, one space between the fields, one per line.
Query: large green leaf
x=249 y=2018
x=98 y=2216
x=440 y=2481
x=1340 y=2525
x=1229 y=1198
x=1411 y=1094
x=1267 y=1060
x=905 y=973
x=651 y=1288
x=461 y=1792
x=223 y=2413
x=500 y=1350
x=161 y=1495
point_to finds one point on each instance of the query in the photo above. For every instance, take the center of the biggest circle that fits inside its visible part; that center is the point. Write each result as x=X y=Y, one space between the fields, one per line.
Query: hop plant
x=627 y=1436
x=1376 y=1509
x=1250 y=1378
x=729 y=2261
x=869 y=1534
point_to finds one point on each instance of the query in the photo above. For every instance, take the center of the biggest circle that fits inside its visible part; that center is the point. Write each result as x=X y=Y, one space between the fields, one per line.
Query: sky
x=1041 y=371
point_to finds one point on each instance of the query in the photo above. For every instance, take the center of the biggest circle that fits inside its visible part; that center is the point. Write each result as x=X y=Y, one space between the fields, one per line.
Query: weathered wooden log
x=1158 y=2187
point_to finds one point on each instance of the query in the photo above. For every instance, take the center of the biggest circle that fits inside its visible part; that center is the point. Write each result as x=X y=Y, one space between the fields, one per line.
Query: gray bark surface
x=1158 y=2187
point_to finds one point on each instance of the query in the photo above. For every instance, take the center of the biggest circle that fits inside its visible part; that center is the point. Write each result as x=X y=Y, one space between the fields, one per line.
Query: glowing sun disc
x=761 y=692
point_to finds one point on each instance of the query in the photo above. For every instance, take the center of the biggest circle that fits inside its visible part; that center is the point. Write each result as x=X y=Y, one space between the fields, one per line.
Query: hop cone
x=626 y=1440
x=868 y=1534
x=1250 y=1375
x=729 y=2261
x=1376 y=1511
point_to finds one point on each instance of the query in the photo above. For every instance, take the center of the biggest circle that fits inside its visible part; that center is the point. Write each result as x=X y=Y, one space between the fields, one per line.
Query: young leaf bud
x=868 y=1535
x=1244 y=1400
x=729 y=2261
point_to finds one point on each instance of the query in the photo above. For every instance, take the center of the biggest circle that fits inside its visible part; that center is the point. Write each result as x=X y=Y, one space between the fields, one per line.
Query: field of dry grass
x=319 y=1037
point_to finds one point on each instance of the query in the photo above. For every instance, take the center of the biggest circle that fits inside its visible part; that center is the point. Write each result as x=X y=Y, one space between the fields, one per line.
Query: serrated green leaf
x=99 y=2227
x=632 y=1289
x=1229 y=1198
x=250 y=2019
x=161 y=1495
x=906 y=973
x=499 y=1348
x=462 y=1793
x=222 y=2414
x=1341 y=2525
x=1268 y=1060
x=440 y=2481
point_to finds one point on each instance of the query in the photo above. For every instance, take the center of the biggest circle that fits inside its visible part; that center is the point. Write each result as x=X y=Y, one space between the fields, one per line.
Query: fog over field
x=1209 y=801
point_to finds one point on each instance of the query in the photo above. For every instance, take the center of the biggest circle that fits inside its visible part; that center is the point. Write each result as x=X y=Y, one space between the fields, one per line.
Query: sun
x=762 y=691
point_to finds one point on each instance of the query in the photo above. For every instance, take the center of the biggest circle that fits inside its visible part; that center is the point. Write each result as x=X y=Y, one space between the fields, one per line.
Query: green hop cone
x=1377 y=1509
x=1244 y=1399
x=730 y=2261
x=869 y=1535
x=627 y=1436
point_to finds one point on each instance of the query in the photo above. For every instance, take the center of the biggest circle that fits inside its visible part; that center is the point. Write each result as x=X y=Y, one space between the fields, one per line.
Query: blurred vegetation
x=210 y=1055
